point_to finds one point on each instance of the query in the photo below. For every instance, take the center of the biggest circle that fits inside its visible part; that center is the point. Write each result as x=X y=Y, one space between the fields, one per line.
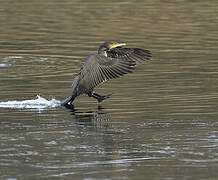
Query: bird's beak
x=117 y=45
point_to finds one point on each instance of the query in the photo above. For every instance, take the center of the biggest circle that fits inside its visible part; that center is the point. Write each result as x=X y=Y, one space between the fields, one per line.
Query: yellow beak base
x=117 y=45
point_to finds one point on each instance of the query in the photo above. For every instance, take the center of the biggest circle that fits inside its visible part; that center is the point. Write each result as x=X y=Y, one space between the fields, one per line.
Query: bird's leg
x=68 y=100
x=98 y=97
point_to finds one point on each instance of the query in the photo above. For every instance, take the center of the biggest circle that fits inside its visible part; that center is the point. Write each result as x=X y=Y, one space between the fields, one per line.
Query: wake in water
x=38 y=103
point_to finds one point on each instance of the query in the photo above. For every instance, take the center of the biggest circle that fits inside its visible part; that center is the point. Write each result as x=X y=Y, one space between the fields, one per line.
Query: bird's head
x=107 y=46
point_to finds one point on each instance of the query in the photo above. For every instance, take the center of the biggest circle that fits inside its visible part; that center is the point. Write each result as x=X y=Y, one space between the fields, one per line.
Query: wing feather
x=119 y=61
x=135 y=54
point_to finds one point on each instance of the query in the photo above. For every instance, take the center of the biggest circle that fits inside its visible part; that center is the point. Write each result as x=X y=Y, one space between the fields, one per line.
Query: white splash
x=11 y=57
x=5 y=65
x=38 y=103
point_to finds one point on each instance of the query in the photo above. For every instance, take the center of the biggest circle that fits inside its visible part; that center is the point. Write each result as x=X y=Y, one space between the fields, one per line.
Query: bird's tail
x=70 y=99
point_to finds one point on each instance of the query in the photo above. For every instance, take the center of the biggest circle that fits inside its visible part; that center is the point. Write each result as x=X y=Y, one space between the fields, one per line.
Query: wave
x=38 y=103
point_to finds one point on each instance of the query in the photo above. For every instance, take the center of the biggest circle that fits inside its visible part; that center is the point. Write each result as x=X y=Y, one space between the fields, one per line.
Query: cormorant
x=111 y=61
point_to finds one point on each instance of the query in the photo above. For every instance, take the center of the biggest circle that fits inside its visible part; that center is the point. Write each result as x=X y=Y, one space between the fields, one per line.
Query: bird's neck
x=102 y=52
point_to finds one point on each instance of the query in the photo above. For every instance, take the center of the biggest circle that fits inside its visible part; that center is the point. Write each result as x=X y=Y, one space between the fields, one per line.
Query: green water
x=161 y=121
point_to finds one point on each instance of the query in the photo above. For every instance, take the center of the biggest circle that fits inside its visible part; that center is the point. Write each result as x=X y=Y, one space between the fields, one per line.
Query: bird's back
x=84 y=78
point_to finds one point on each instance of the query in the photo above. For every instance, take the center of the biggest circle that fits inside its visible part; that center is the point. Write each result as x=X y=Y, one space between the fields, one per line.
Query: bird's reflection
x=103 y=132
x=97 y=118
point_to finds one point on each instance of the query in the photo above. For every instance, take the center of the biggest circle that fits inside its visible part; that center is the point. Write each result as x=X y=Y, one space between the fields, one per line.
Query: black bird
x=111 y=61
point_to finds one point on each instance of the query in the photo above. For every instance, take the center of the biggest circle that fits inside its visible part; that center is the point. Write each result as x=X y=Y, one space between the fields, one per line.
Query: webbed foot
x=98 y=97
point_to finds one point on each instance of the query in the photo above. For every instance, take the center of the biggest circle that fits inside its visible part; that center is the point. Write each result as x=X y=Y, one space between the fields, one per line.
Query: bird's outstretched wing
x=99 y=68
x=134 y=54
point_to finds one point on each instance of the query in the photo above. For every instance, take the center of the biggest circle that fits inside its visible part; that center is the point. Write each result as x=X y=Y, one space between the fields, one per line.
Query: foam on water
x=38 y=103
x=5 y=65
x=12 y=57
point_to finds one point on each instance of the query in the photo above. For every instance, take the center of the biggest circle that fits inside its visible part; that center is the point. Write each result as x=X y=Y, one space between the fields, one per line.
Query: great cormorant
x=111 y=61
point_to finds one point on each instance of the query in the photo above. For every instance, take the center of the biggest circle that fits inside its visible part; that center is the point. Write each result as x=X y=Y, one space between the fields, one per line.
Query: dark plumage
x=111 y=61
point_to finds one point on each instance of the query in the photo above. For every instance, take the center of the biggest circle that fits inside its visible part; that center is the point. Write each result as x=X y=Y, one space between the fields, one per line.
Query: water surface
x=161 y=121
